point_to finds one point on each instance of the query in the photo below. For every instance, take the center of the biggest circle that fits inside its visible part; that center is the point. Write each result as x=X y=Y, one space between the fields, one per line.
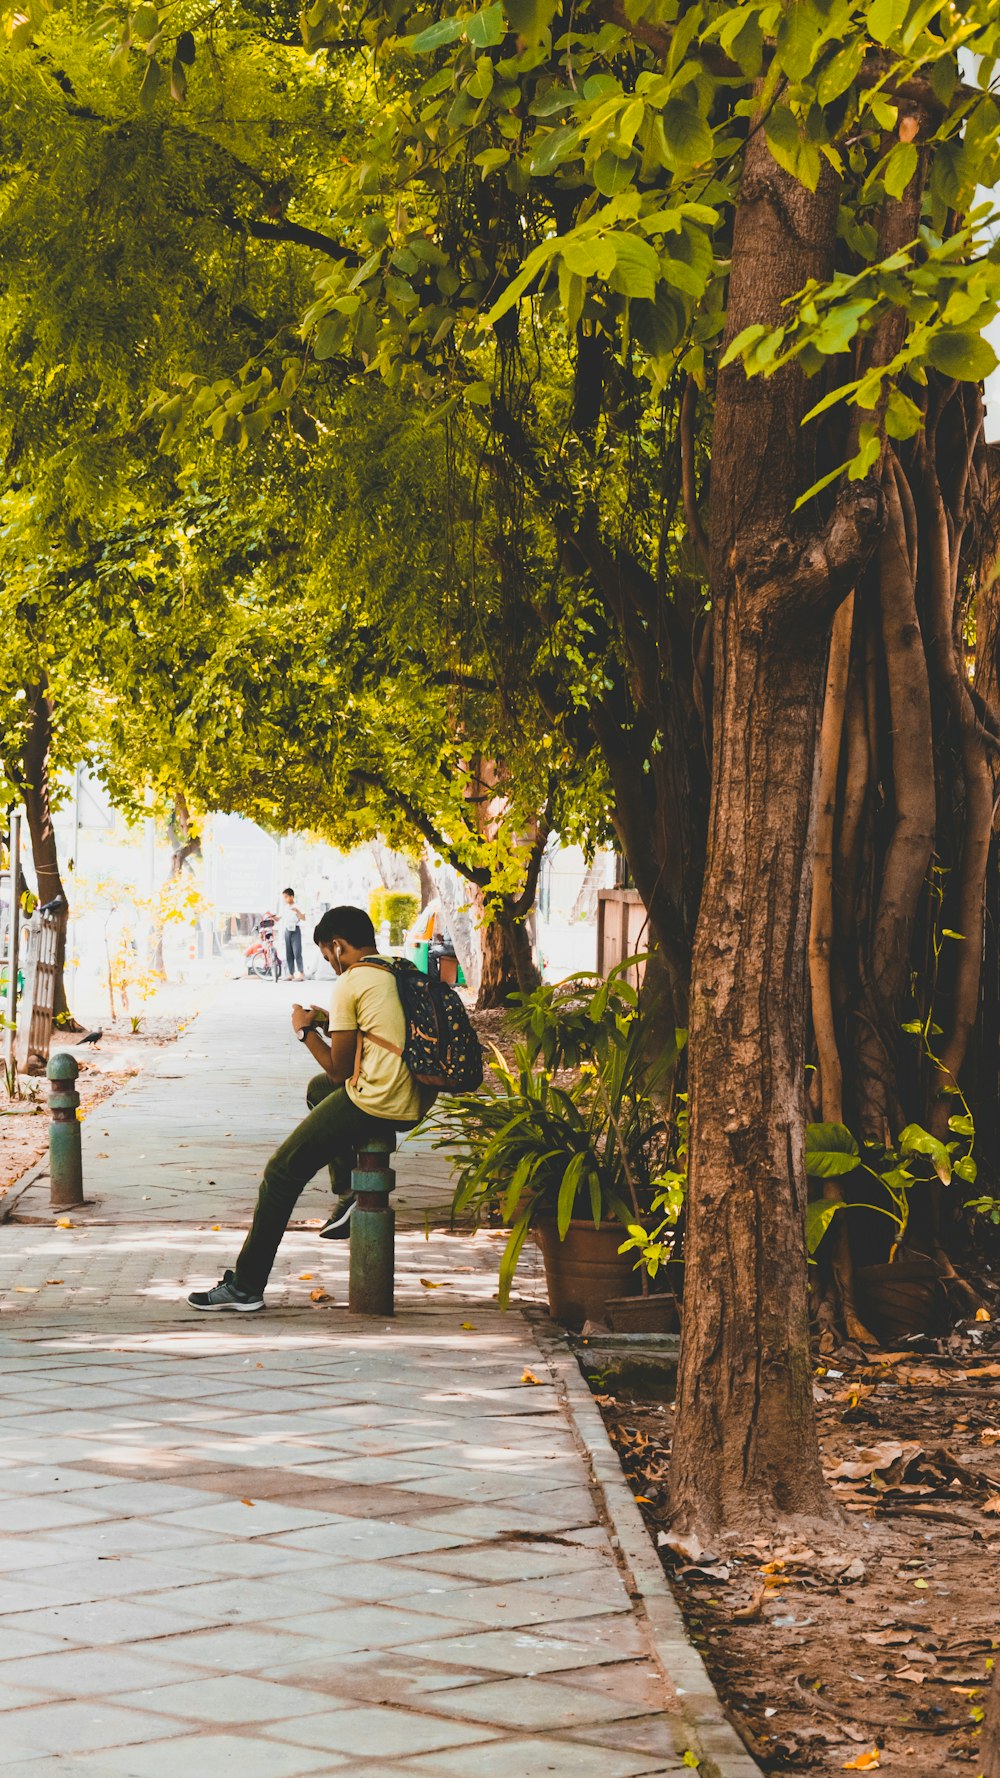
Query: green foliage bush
x=397 y=907
x=401 y=909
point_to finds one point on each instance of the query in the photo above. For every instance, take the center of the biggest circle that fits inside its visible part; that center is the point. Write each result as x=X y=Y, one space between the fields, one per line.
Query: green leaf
x=491 y=160
x=436 y=36
x=966 y=1169
x=636 y=267
x=152 y=81
x=688 y=139
x=555 y=147
x=965 y=356
x=962 y=1125
x=791 y=148
x=145 y=23
x=899 y=168
x=915 y=1140
x=819 y=1215
x=590 y=256
x=567 y=1192
x=486 y=27
x=185 y=50
x=830 y=1150
x=613 y=174
x=741 y=344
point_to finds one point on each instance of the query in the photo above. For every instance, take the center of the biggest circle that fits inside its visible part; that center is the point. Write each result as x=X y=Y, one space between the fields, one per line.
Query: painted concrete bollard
x=65 y=1159
x=373 y=1225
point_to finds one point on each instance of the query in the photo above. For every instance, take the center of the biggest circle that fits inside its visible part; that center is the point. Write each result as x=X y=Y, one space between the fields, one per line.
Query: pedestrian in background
x=290 y=927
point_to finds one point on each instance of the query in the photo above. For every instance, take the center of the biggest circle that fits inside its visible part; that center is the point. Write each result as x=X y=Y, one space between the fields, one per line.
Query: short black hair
x=351 y=924
x=290 y=892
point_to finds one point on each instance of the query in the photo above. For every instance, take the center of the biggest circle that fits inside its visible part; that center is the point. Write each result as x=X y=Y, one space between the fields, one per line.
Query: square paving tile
x=232 y=1518
x=85 y=1727
x=101 y=1621
x=370 y=1540
x=514 y=1607
x=242 y=1756
x=358 y=1627
x=505 y=1651
x=17 y=1644
x=231 y=1650
x=374 y=1732
x=532 y=1758
x=644 y=1734
x=231 y=1698
x=532 y=1704
x=89 y=1672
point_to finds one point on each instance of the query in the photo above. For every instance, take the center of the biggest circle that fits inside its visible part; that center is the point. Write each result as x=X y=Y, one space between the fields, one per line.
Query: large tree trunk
x=35 y=787
x=745 y=1447
x=990 y=1752
x=745 y=1452
x=508 y=965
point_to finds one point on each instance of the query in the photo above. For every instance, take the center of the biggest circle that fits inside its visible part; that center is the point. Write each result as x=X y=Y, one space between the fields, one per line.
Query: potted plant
x=901 y=1295
x=571 y=1142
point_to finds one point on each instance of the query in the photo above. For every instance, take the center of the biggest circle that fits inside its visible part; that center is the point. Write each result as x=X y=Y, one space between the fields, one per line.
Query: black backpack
x=441 y=1049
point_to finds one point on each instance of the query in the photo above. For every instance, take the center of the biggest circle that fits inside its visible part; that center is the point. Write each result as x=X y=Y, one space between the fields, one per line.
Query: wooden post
x=373 y=1222
x=65 y=1158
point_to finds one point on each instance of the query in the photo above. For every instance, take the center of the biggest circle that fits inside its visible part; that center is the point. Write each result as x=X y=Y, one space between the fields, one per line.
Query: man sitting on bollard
x=365 y=1092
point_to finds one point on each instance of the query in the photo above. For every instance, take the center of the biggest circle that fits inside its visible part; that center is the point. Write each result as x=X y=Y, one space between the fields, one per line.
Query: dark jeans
x=293 y=951
x=329 y=1137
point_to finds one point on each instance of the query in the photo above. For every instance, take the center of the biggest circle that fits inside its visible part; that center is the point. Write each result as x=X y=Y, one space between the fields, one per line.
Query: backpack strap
x=369 y=1036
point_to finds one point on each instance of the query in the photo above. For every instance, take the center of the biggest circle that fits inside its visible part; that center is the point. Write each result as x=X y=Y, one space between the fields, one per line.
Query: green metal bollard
x=65 y=1159
x=373 y=1224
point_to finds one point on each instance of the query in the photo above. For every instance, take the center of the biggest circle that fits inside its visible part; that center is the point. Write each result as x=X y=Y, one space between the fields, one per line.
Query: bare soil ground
x=875 y=1656
x=104 y=1067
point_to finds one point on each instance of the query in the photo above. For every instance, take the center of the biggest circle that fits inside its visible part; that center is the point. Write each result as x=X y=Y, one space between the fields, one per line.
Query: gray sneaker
x=225 y=1296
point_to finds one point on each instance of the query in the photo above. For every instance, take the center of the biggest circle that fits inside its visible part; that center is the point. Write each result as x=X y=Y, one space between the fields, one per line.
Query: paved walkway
x=295 y=1542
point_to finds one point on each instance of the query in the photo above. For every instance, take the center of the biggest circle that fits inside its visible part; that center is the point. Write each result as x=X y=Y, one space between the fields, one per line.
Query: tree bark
x=745 y=1455
x=35 y=787
x=990 y=1750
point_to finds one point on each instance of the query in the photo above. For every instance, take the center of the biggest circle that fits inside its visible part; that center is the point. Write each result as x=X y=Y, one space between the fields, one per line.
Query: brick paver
x=294 y=1542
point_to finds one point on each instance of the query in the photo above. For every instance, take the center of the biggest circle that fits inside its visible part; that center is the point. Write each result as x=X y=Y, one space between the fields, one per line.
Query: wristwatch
x=303 y=1032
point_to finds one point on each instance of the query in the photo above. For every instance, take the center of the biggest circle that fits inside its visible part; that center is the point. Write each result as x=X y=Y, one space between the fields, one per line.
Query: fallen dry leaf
x=306 y=1277
x=468 y=1327
x=865 y=1762
x=912 y=1673
x=63 y=1222
x=216 y=1226
x=990 y=1435
x=983 y=1315
x=992 y=1505
x=886 y=1638
x=246 y=1502
x=749 y=1613
x=871 y=1459
x=27 y=1289
x=429 y=1284
x=529 y=1377
x=319 y=1296
x=53 y=1280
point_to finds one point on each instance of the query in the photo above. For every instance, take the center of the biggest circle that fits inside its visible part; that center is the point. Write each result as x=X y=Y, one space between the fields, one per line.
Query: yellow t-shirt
x=365 y=999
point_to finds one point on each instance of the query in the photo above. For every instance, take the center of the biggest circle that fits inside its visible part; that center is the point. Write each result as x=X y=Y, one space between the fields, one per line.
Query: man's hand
x=302 y=1016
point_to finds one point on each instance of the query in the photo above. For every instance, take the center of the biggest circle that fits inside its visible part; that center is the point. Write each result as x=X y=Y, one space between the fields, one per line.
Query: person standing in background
x=290 y=927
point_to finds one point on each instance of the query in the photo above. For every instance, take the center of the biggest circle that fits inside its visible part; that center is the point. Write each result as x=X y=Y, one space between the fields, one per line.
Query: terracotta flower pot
x=898 y=1299
x=652 y=1314
x=585 y=1269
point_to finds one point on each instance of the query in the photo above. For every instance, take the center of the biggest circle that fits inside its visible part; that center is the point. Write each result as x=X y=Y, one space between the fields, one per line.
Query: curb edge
x=715 y=1741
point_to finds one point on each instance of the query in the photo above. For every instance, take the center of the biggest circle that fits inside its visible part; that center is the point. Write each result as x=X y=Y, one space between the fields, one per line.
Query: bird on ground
x=91 y=1037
